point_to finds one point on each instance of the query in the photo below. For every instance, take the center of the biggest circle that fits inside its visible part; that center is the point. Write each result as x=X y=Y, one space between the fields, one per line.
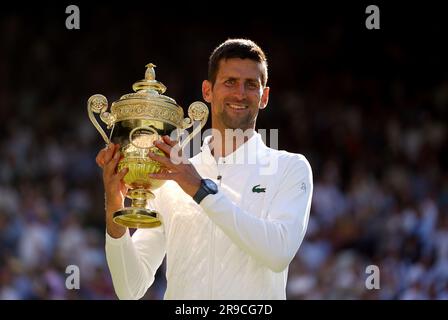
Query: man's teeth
x=234 y=106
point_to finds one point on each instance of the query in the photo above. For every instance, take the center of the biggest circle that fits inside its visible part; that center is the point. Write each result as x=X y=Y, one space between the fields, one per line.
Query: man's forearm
x=133 y=261
x=114 y=230
x=272 y=242
x=274 y=239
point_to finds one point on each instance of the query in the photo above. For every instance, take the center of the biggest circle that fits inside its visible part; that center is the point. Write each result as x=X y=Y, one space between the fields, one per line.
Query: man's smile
x=236 y=107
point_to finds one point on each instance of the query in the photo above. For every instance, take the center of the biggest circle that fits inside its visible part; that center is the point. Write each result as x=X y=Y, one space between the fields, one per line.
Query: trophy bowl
x=135 y=121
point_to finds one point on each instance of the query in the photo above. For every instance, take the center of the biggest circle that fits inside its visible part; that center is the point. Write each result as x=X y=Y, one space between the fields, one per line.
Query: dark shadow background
x=368 y=108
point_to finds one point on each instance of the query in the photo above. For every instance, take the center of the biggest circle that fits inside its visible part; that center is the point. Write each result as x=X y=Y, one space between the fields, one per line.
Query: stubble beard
x=244 y=123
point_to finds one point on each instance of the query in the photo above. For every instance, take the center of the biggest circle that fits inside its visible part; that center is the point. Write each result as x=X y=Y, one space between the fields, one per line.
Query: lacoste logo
x=257 y=189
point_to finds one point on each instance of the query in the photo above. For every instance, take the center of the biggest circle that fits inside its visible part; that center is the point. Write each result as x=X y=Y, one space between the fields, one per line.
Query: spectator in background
x=379 y=128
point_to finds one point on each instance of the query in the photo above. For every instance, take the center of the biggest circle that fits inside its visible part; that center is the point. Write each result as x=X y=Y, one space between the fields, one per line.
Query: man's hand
x=181 y=171
x=114 y=187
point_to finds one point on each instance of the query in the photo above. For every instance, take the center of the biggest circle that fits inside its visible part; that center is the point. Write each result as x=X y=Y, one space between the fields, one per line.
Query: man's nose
x=240 y=91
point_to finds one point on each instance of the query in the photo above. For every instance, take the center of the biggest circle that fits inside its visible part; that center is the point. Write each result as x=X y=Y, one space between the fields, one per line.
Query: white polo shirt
x=237 y=244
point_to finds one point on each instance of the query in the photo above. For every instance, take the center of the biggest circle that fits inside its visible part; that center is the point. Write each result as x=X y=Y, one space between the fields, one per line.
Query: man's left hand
x=181 y=170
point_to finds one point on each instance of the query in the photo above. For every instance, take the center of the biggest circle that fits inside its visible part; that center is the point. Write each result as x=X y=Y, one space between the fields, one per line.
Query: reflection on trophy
x=136 y=120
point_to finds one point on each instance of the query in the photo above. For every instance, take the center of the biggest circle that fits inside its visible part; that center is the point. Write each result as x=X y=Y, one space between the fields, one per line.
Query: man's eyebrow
x=245 y=79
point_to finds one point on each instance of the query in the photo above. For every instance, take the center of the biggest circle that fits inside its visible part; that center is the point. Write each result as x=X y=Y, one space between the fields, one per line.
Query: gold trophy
x=136 y=120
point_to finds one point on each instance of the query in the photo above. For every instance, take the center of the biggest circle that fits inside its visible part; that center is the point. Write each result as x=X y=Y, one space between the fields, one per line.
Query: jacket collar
x=246 y=153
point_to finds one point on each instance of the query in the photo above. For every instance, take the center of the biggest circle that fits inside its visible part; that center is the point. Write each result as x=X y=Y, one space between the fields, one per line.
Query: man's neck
x=225 y=142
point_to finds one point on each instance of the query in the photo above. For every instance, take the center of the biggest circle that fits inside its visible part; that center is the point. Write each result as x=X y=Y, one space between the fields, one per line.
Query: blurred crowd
x=368 y=111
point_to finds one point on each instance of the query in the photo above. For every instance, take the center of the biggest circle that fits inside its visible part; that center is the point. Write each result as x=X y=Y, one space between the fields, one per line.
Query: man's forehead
x=240 y=68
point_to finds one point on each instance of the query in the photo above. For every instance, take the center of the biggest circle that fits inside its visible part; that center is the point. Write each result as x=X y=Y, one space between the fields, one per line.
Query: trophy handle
x=197 y=111
x=98 y=104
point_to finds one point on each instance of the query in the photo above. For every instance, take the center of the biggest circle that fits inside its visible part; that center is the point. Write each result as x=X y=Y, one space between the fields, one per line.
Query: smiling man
x=229 y=230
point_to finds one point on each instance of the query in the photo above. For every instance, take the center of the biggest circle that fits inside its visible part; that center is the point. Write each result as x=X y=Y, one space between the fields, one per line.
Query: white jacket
x=237 y=244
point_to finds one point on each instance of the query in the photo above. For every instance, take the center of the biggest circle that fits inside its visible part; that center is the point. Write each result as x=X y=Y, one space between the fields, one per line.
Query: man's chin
x=236 y=126
x=235 y=123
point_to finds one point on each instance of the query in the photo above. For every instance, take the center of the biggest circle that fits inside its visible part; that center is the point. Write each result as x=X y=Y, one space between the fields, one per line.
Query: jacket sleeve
x=133 y=261
x=273 y=240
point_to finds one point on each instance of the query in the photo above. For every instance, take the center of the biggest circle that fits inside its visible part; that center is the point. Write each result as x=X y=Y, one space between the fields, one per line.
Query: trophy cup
x=136 y=120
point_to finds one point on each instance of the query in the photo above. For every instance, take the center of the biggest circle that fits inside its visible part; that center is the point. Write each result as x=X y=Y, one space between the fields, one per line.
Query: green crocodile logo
x=257 y=189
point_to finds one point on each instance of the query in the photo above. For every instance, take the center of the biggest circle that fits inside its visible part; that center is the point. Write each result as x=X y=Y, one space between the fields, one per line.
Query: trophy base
x=137 y=218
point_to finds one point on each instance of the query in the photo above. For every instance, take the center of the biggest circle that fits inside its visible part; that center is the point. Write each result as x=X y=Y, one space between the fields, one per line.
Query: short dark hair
x=236 y=48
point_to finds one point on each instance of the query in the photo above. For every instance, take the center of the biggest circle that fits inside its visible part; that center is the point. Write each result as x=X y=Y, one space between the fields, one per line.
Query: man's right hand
x=114 y=187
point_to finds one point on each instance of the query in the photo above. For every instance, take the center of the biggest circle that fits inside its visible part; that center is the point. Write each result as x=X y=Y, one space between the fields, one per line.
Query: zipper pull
x=219 y=177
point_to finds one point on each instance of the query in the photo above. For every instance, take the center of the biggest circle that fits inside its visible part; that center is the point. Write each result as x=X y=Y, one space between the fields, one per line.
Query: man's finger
x=173 y=152
x=168 y=141
x=100 y=158
x=176 y=150
x=163 y=160
x=122 y=173
x=117 y=156
x=163 y=146
x=104 y=155
x=110 y=149
x=109 y=168
x=163 y=176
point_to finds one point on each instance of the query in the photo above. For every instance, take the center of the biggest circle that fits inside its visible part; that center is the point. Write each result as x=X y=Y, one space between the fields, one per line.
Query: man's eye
x=230 y=82
x=252 y=85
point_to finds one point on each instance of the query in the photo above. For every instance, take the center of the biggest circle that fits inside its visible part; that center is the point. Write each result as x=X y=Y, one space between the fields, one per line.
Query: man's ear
x=207 y=91
x=264 y=98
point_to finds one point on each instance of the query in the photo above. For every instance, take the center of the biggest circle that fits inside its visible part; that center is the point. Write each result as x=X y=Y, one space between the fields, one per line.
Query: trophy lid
x=150 y=82
x=148 y=101
x=148 y=87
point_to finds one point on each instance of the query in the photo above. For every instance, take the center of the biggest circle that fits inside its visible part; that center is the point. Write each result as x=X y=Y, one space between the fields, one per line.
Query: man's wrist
x=194 y=188
x=206 y=188
x=114 y=230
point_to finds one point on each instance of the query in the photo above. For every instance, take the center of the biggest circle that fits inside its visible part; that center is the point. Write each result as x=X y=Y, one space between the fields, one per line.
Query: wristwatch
x=207 y=187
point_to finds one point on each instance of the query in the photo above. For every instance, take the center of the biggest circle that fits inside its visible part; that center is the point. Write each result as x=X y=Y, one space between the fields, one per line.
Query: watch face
x=211 y=185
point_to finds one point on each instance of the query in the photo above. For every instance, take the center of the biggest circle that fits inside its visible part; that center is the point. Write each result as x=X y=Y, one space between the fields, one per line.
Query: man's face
x=237 y=94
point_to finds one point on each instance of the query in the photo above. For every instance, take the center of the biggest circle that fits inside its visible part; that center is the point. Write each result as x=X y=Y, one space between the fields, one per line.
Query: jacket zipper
x=212 y=261
x=212 y=240
x=219 y=177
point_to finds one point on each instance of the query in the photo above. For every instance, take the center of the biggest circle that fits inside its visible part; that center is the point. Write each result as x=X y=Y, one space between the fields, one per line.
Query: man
x=229 y=228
